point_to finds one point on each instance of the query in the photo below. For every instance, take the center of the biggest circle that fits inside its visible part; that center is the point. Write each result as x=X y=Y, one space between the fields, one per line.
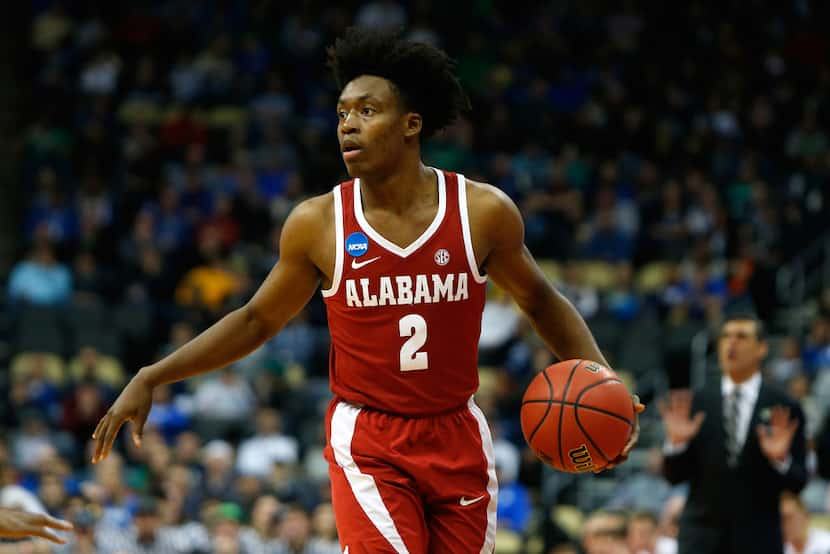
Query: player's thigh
x=376 y=516
x=376 y=505
x=460 y=529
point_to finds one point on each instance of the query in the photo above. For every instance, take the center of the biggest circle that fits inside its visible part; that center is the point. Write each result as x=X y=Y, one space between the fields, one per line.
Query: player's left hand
x=638 y=408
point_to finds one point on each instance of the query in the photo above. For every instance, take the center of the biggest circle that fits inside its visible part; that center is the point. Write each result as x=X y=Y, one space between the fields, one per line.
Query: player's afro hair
x=421 y=74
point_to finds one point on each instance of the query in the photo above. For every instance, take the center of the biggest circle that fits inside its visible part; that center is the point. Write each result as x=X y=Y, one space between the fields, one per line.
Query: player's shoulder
x=314 y=210
x=310 y=217
x=488 y=200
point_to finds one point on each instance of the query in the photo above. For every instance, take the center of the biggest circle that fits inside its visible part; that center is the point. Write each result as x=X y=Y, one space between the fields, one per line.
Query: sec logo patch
x=442 y=257
x=357 y=244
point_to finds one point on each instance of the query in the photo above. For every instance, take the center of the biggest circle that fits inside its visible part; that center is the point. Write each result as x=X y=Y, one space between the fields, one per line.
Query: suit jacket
x=734 y=510
x=823 y=448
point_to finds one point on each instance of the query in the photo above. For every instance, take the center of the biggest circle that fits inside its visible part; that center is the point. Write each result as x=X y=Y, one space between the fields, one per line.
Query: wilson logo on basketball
x=581 y=458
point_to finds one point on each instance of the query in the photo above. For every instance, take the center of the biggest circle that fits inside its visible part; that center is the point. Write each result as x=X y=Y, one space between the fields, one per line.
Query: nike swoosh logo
x=357 y=265
x=467 y=502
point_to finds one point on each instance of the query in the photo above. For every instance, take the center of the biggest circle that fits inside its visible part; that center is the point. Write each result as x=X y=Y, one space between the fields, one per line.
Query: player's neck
x=397 y=192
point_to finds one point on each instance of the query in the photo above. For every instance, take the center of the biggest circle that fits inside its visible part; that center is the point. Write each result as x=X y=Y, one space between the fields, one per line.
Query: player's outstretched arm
x=499 y=232
x=284 y=292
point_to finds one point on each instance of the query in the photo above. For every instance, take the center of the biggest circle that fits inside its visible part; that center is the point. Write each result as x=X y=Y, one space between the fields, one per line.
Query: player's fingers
x=100 y=435
x=98 y=427
x=138 y=425
x=46 y=534
x=698 y=419
x=56 y=523
x=112 y=433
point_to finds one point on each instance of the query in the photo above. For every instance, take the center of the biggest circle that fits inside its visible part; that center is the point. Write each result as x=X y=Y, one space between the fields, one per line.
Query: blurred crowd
x=666 y=166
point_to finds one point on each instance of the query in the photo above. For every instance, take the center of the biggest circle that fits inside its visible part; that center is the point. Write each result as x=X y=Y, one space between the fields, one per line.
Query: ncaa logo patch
x=442 y=257
x=357 y=244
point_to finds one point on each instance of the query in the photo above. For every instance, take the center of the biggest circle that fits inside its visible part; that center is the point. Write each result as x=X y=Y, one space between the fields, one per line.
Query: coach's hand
x=635 y=435
x=17 y=524
x=133 y=404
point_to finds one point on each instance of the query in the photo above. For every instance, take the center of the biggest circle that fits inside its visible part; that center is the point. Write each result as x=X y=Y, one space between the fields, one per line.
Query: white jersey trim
x=338 y=244
x=417 y=243
x=492 y=480
x=465 y=228
x=364 y=488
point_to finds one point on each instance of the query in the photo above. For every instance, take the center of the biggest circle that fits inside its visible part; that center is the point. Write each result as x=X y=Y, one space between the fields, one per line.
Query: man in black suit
x=743 y=446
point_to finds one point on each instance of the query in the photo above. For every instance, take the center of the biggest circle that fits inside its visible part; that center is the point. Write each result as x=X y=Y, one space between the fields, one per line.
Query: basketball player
x=402 y=253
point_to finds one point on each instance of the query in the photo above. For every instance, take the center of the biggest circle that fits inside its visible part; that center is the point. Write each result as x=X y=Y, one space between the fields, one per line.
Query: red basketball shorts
x=412 y=485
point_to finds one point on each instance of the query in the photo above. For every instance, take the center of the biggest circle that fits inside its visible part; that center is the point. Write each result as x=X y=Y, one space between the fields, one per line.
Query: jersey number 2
x=414 y=327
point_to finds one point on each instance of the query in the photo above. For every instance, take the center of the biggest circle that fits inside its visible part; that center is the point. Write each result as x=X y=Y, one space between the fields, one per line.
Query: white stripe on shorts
x=363 y=486
x=492 y=482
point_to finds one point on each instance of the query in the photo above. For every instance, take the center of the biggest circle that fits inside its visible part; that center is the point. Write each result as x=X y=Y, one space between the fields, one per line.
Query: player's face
x=740 y=351
x=373 y=127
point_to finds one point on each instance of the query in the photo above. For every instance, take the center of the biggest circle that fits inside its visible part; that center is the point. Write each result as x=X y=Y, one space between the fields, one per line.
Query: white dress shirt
x=746 y=404
x=818 y=542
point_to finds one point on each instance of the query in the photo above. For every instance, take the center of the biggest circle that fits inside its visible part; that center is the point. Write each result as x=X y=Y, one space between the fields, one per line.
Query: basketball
x=577 y=416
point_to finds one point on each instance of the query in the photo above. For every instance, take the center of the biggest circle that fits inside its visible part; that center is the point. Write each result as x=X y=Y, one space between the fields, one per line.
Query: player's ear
x=413 y=123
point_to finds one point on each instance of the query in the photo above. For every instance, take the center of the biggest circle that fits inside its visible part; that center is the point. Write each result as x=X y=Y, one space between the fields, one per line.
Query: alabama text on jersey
x=405 y=321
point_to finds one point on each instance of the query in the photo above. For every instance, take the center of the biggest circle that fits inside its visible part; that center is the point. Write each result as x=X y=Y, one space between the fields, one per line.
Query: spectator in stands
x=324 y=528
x=295 y=533
x=146 y=534
x=223 y=405
x=643 y=536
x=646 y=490
x=670 y=516
x=817 y=347
x=37 y=380
x=82 y=409
x=622 y=300
x=799 y=537
x=40 y=279
x=604 y=533
x=584 y=296
x=35 y=439
x=223 y=523
x=262 y=531
x=787 y=362
x=211 y=284
x=268 y=446
x=514 y=509
x=91 y=365
x=219 y=475
x=14 y=496
x=110 y=491
x=166 y=415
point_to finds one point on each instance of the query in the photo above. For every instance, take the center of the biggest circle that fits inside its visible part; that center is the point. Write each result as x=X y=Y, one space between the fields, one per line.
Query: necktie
x=733 y=447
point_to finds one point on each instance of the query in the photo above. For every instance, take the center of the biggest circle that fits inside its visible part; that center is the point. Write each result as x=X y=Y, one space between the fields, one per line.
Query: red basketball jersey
x=405 y=322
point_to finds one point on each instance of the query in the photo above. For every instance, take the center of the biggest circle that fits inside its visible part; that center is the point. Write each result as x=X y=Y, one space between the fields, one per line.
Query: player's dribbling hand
x=133 y=404
x=17 y=524
x=635 y=435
